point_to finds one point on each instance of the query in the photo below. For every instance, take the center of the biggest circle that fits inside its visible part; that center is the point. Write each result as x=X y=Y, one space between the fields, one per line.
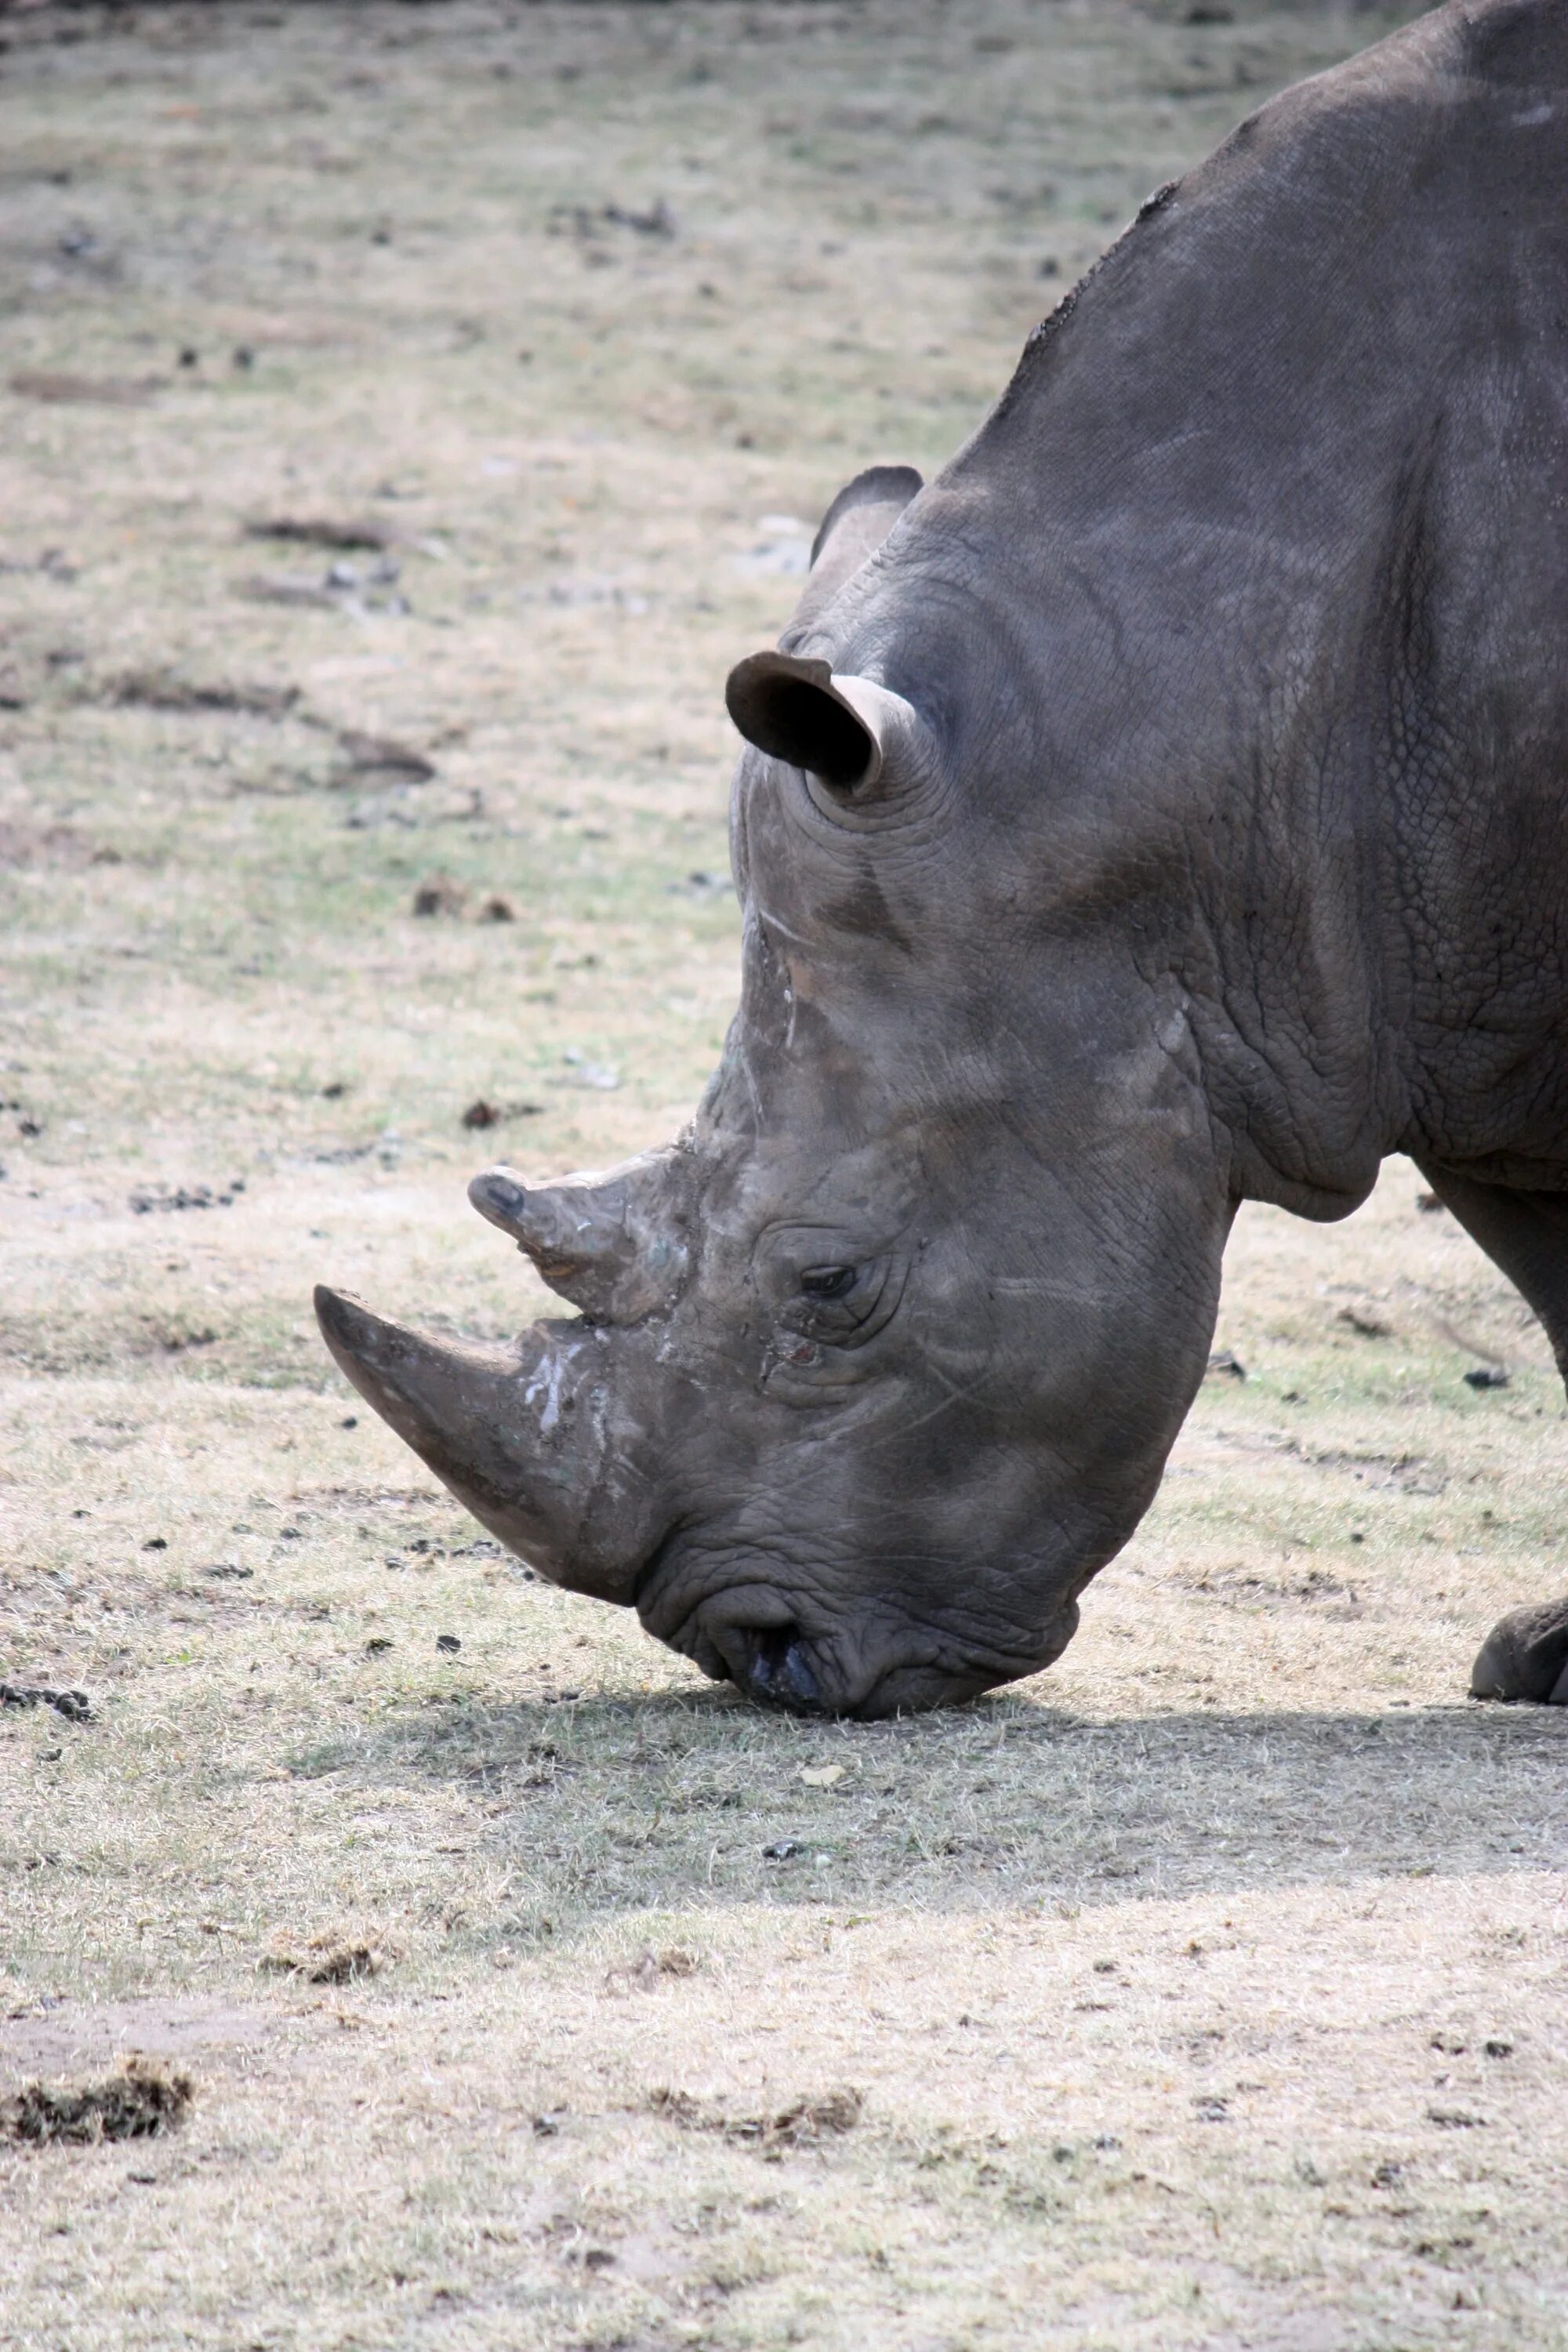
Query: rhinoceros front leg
x=1525 y=1655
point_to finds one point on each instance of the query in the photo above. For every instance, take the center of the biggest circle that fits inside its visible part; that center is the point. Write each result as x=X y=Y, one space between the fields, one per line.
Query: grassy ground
x=1208 y=1991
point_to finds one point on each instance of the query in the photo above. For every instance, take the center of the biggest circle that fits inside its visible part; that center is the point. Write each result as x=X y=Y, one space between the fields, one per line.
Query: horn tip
x=498 y=1197
x=346 y=1323
x=330 y=1305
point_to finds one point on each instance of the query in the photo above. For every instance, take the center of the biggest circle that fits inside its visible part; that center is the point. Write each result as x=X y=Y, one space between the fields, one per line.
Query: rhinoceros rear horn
x=611 y=1244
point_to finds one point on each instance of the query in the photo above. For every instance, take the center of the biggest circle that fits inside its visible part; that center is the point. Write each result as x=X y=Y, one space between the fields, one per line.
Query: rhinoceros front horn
x=528 y=1437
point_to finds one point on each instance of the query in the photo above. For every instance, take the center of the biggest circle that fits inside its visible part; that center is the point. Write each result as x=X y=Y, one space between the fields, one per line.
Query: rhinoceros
x=1163 y=808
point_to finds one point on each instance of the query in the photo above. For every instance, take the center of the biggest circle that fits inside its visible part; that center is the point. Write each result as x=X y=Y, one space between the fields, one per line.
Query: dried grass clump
x=328 y=1961
x=138 y=2102
x=802 y=2124
x=650 y=1969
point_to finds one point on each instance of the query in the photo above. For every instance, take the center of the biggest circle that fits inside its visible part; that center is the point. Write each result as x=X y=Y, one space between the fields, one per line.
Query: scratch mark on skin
x=776 y=924
x=955 y=1395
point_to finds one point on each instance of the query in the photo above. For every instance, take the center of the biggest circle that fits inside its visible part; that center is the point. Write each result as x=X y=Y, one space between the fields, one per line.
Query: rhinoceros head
x=880 y=1362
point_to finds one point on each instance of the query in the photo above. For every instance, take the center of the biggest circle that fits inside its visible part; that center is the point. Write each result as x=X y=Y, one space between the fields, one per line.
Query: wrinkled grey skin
x=1163 y=809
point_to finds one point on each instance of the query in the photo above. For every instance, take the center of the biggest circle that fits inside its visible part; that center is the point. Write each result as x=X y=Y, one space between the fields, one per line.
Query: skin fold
x=1161 y=809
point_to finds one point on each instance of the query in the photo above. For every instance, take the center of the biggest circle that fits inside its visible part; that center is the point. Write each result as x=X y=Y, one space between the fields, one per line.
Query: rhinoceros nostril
x=779 y=1669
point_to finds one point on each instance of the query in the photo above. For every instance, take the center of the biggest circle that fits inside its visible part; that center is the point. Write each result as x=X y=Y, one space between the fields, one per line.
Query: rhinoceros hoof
x=1525 y=1655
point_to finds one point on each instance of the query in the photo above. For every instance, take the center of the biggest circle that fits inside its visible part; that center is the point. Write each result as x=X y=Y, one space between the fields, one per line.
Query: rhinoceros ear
x=863 y=514
x=792 y=710
x=838 y=728
x=850 y=532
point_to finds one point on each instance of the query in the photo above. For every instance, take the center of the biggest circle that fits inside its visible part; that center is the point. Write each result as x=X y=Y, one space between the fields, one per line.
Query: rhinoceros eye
x=827 y=1281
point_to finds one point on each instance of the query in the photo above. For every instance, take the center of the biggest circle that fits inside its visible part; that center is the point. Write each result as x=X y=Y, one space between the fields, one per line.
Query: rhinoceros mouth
x=747 y=1629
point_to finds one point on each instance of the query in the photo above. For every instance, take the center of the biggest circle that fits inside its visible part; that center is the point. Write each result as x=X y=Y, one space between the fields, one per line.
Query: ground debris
x=655 y=220
x=74 y=1704
x=649 y=1970
x=112 y=390
x=328 y=1959
x=805 y=2123
x=382 y=755
x=137 y=2103
x=439 y=895
x=1370 y=1326
x=165 y=689
x=587 y=222
x=195 y=1196
x=1228 y=1366
x=319 y=531
x=267 y=588
x=51 y=844
x=483 y=1113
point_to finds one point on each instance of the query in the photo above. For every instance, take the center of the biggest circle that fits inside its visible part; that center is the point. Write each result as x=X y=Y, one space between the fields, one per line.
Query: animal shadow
x=670 y=1802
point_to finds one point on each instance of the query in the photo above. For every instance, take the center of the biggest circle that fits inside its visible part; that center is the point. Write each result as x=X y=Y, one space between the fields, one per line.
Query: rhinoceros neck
x=1265 y=549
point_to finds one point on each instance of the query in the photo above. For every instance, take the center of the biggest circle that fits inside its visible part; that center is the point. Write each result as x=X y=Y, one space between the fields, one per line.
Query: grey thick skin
x=1164 y=808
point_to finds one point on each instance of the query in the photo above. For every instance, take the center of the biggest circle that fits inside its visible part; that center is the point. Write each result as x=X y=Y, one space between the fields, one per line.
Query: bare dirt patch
x=48 y=2035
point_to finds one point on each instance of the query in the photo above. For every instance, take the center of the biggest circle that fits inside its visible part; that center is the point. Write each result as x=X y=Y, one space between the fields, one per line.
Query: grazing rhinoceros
x=1164 y=808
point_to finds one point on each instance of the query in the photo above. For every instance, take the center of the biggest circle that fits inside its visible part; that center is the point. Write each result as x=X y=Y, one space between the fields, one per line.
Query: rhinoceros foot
x=1525 y=1655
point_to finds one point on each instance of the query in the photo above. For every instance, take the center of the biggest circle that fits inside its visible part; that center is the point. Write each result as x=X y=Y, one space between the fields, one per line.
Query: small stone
x=450 y=1644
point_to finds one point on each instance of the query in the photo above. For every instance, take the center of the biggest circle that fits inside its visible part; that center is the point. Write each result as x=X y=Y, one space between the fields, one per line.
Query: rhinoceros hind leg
x=1525 y=1655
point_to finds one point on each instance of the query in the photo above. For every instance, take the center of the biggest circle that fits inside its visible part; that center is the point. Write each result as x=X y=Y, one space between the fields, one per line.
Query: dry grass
x=1207 y=1992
